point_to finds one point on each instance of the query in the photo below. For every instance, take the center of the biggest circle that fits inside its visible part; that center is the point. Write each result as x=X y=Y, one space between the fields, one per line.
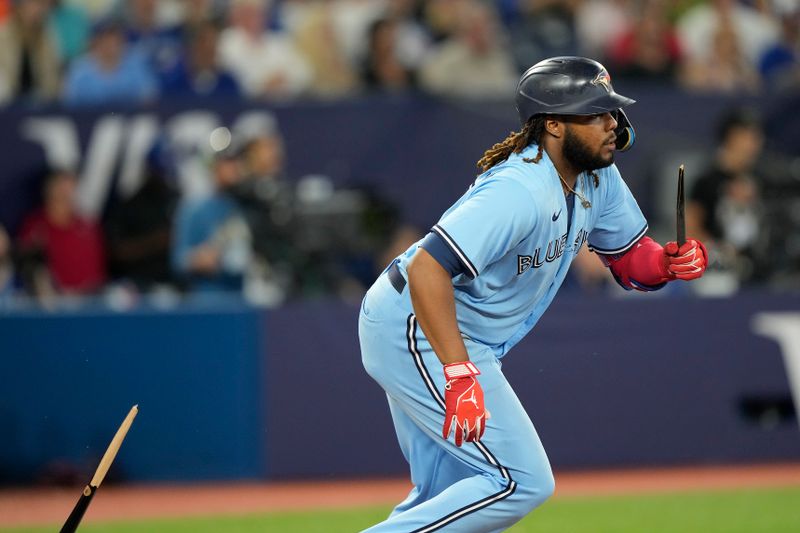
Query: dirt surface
x=51 y=506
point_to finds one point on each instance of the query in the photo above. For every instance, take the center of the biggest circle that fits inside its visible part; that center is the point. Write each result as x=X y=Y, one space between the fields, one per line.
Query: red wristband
x=461 y=369
x=642 y=267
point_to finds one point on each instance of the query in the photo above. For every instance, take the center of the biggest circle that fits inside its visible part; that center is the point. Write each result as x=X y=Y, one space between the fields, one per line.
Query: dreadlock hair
x=531 y=132
x=516 y=142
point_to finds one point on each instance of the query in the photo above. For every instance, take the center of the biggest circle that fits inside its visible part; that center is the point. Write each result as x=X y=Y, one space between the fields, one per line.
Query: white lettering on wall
x=102 y=154
x=142 y=133
x=189 y=133
x=116 y=149
x=784 y=328
x=58 y=137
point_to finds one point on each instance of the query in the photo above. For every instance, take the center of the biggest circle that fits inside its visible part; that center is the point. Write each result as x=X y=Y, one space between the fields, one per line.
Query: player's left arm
x=648 y=266
x=638 y=262
x=434 y=305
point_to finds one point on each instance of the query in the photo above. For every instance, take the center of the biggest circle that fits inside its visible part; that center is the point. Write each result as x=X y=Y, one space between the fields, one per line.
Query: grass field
x=745 y=511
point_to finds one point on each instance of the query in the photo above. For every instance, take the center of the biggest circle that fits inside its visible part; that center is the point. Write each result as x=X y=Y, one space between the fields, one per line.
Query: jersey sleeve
x=444 y=255
x=495 y=217
x=620 y=223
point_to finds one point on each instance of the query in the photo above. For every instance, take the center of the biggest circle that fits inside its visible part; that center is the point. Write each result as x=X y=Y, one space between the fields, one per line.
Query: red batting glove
x=687 y=262
x=463 y=398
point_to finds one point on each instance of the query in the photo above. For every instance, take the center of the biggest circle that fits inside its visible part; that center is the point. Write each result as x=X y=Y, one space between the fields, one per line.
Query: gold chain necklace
x=584 y=202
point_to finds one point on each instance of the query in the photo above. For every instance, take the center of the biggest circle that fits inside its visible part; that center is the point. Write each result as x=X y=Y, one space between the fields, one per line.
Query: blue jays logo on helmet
x=604 y=79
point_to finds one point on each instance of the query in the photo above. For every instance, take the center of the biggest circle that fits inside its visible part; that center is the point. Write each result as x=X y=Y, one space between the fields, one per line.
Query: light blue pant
x=480 y=487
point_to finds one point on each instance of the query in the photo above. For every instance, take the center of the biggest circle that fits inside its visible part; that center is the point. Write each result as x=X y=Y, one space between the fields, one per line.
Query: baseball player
x=435 y=325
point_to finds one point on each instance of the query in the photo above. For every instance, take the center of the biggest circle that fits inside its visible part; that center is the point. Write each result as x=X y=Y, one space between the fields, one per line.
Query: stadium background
x=238 y=393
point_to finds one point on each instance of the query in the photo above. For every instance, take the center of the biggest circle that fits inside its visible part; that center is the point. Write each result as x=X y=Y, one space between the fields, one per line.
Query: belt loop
x=396 y=277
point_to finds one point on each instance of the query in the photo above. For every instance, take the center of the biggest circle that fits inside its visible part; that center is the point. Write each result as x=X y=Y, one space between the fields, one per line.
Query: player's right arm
x=431 y=290
x=490 y=219
x=432 y=297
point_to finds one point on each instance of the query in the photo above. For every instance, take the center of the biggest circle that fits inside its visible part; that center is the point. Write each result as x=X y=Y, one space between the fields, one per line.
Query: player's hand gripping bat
x=681 y=217
x=686 y=260
x=75 y=517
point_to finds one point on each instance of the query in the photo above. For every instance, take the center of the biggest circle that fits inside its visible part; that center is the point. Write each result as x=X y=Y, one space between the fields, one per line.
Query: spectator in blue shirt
x=211 y=246
x=199 y=74
x=110 y=72
x=159 y=42
x=780 y=63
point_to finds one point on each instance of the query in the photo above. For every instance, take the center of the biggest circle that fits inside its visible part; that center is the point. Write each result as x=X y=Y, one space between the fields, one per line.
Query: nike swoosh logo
x=556 y=215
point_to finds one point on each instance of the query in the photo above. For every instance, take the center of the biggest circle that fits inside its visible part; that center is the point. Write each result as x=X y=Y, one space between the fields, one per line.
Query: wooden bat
x=681 y=218
x=77 y=513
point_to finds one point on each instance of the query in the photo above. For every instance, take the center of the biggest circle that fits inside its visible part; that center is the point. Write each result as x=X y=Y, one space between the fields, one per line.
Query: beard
x=580 y=156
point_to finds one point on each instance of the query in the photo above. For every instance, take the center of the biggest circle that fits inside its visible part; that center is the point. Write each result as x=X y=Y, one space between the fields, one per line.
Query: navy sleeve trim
x=439 y=250
x=647 y=288
x=471 y=271
x=622 y=249
x=636 y=285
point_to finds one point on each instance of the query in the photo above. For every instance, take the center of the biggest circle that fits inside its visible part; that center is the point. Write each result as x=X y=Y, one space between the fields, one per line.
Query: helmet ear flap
x=626 y=135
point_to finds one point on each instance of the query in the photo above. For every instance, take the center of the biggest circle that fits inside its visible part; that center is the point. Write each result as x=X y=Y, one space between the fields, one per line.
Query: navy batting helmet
x=573 y=86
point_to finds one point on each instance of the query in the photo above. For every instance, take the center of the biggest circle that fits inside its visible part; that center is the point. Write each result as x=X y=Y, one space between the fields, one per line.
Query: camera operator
x=309 y=238
x=301 y=234
x=263 y=195
x=266 y=201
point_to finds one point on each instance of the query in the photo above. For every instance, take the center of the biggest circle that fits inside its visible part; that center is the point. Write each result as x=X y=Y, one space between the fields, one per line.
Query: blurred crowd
x=255 y=234
x=91 y=52
x=273 y=239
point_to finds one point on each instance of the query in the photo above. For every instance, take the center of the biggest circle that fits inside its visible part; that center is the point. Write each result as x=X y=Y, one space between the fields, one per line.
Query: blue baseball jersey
x=511 y=233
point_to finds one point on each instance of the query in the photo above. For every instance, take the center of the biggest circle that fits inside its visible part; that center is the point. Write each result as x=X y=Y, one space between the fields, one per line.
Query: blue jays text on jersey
x=555 y=249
